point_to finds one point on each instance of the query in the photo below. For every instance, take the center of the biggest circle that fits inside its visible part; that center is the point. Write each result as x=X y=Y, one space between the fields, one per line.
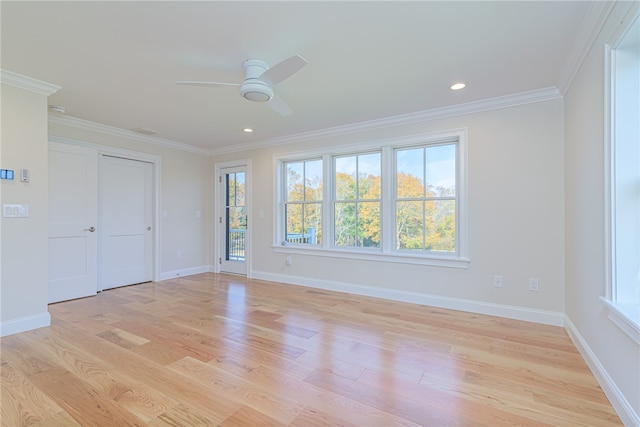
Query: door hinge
x=220 y=179
x=219 y=260
x=220 y=220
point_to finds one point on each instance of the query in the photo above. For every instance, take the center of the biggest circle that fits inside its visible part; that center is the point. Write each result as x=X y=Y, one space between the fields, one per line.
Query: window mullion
x=327 y=202
x=387 y=201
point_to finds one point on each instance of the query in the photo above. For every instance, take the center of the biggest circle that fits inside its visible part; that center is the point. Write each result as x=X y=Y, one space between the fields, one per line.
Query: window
x=624 y=155
x=303 y=205
x=425 y=206
x=401 y=201
x=357 y=195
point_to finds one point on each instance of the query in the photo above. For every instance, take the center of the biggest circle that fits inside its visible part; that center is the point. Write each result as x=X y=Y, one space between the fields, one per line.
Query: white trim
x=371 y=255
x=499 y=102
x=511 y=312
x=608 y=166
x=129 y=134
x=25 y=323
x=27 y=83
x=156 y=160
x=167 y=275
x=621 y=405
x=398 y=141
x=217 y=209
x=522 y=98
x=591 y=27
x=624 y=316
x=627 y=318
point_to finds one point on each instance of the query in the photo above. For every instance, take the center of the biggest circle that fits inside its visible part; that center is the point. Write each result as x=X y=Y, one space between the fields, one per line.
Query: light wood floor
x=221 y=350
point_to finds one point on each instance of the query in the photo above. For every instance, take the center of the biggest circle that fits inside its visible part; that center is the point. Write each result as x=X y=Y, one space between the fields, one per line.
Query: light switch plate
x=15 y=211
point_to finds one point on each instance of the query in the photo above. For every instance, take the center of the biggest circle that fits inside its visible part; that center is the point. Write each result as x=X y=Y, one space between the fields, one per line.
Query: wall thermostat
x=24 y=175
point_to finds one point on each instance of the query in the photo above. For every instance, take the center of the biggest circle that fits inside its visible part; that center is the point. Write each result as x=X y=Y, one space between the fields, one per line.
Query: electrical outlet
x=497 y=281
x=534 y=285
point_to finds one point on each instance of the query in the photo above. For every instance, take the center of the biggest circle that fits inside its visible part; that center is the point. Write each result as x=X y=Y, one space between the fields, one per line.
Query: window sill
x=626 y=317
x=396 y=257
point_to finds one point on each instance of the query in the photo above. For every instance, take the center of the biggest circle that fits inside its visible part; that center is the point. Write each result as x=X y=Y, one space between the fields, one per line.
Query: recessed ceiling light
x=248 y=130
x=458 y=86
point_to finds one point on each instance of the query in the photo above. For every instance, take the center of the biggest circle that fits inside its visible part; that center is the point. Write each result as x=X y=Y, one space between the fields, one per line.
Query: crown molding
x=402 y=120
x=27 y=83
x=506 y=101
x=590 y=29
x=123 y=133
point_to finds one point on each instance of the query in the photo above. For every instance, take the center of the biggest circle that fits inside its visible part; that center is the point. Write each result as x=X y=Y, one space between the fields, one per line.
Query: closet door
x=73 y=237
x=126 y=221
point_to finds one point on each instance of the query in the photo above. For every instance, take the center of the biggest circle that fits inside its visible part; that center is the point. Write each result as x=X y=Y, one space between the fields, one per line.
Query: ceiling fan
x=259 y=80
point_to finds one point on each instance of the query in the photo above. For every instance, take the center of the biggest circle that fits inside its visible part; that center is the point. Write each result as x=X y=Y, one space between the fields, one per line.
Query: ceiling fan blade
x=207 y=84
x=283 y=70
x=278 y=105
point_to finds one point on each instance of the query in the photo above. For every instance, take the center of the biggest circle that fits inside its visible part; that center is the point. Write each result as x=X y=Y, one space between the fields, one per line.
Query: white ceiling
x=117 y=61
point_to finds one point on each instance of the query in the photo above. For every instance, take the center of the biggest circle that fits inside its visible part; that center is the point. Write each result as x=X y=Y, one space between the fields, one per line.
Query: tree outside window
x=303 y=205
x=425 y=206
x=357 y=194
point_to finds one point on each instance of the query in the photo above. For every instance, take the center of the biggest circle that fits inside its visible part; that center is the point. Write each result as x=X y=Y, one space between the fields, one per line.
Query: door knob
x=91 y=229
x=148 y=228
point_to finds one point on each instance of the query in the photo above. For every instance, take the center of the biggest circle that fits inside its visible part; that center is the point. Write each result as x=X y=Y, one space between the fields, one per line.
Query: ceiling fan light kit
x=256 y=91
x=253 y=88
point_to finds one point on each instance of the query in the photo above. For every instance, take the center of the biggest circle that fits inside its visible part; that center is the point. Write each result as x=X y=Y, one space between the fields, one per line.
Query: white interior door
x=233 y=221
x=73 y=240
x=126 y=220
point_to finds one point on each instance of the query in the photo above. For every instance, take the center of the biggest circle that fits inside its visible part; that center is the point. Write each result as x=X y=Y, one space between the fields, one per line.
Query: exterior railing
x=235 y=242
x=235 y=245
x=308 y=237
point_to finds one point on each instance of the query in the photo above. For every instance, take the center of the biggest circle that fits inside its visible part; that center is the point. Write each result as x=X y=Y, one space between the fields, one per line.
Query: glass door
x=233 y=222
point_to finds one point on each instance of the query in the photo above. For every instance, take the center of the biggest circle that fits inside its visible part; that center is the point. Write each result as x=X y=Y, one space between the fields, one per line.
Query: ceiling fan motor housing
x=254 y=89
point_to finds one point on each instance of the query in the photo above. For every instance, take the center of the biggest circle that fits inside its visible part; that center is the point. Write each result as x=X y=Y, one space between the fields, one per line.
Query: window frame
x=304 y=202
x=357 y=201
x=386 y=252
x=425 y=198
x=624 y=315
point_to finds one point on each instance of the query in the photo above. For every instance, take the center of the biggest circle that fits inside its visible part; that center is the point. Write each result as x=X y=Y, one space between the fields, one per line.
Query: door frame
x=156 y=162
x=219 y=231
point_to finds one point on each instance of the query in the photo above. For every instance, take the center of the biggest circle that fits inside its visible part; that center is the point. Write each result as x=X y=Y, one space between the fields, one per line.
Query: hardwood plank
x=182 y=416
x=81 y=401
x=344 y=408
x=22 y=402
x=313 y=418
x=269 y=402
x=123 y=338
x=246 y=416
x=145 y=402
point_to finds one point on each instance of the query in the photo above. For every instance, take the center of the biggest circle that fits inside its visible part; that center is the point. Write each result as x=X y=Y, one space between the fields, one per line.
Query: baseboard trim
x=479 y=307
x=25 y=323
x=184 y=272
x=625 y=411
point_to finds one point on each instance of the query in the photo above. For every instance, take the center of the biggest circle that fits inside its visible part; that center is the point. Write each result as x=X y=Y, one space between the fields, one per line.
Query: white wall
x=186 y=187
x=24 y=257
x=515 y=219
x=612 y=353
